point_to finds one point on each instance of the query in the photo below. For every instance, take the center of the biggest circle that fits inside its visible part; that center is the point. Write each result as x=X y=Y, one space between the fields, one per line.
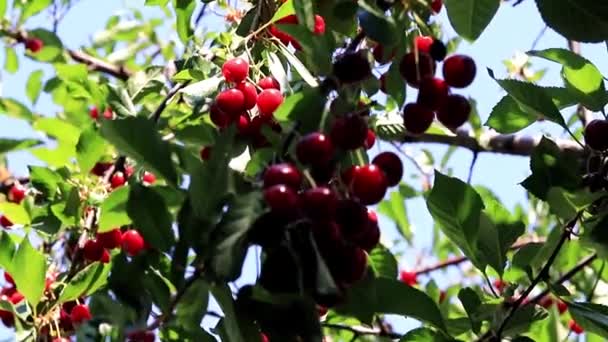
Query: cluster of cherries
x=292 y=19
x=130 y=241
x=16 y=194
x=120 y=178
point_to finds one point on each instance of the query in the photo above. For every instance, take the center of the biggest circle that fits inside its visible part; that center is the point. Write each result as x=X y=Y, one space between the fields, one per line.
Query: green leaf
x=383 y=262
x=33 y=7
x=8 y=145
x=592 y=317
x=15 y=212
x=456 y=207
x=89 y=149
x=52 y=49
x=60 y=129
x=146 y=82
x=246 y=24
x=471 y=303
x=377 y=25
x=45 y=180
x=120 y=101
x=394 y=84
x=305 y=13
x=298 y=66
x=29 y=271
x=223 y=296
x=86 y=282
x=139 y=139
x=34 y=85
x=190 y=311
x=72 y=72
x=580 y=20
x=287 y=8
x=317 y=50
x=470 y=17
x=15 y=109
x=423 y=335
x=305 y=106
x=113 y=210
x=582 y=77
x=229 y=239
x=508 y=117
x=7 y=251
x=3 y=5
x=150 y=215
x=11 y=61
x=161 y=3
x=394 y=208
x=183 y=13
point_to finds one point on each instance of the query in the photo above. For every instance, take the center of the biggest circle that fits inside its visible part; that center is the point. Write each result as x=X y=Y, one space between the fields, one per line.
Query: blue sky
x=513 y=29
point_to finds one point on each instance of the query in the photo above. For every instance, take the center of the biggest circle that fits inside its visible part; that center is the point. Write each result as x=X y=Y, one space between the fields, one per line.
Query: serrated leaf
x=8 y=145
x=592 y=317
x=89 y=149
x=29 y=271
x=183 y=13
x=377 y=25
x=469 y=18
x=508 y=117
x=15 y=109
x=86 y=282
x=33 y=7
x=113 y=210
x=383 y=262
x=190 y=311
x=45 y=180
x=305 y=106
x=150 y=215
x=394 y=208
x=580 y=20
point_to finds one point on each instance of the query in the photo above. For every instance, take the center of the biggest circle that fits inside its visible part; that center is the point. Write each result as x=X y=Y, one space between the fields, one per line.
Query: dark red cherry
x=281 y=198
x=369 y=184
x=454 y=112
x=283 y=173
x=319 y=203
x=459 y=71
x=413 y=71
x=250 y=92
x=417 y=118
x=315 y=149
x=433 y=92
x=390 y=163
x=596 y=135
x=349 y=132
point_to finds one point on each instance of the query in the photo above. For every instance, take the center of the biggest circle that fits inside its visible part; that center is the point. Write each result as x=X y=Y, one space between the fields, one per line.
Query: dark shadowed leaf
x=592 y=317
x=581 y=20
x=151 y=217
x=470 y=17
x=383 y=262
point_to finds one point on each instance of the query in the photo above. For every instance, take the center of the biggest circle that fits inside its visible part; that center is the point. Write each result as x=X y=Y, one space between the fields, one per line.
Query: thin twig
x=159 y=110
x=472 y=166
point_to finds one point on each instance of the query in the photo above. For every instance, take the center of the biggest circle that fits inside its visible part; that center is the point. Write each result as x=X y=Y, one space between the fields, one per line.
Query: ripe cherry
x=269 y=82
x=454 y=112
x=250 y=92
x=132 y=242
x=499 y=284
x=205 y=153
x=5 y=222
x=433 y=92
x=315 y=149
x=352 y=67
x=9 y=279
x=100 y=168
x=141 y=336
x=349 y=132
x=117 y=180
x=370 y=236
x=235 y=70
x=219 y=118
x=268 y=101
x=7 y=317
x=148 y=178
x=417 y=118
x=284 y=173
x=111 y=239
x=412 y=71
x=459 y=71
x=92 y=250
x=105 y=257
x=281 y=198
x=390 y=163
x=596 y=135
x=436 y=5
x=351 y=264
x=423 y=43
x=369 y=184
x=34 y=45
x=80 y=314
x=243 y=125
x=370 y=140
x=231 y=101
x=546 y=302
x=65 y=321
x=562 y=306
x=319 y=202
x=94 y=113
x=352 y=216
x=349 y=174
x=381 y=56
x=108 y=114
x=408 y=277
x=575 y=327
x=264 y=338
x=319 y=25
x=438 y=50
x=16 y=194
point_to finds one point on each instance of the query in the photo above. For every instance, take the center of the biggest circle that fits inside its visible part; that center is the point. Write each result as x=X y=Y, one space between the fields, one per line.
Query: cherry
x=352 y=67
x=108 y=114
x=328 y=236
x=562 y=307
x=351 y=264
x=243 y=124
x=499 y=284
x=280 y=35
x=380 y=56
x=235 y=70
x=383 y=82
x=269 y=82
x=577 y=329
x=105 y=257
x=16 y=194
x=433 y=92
x=268 y=101
x=250 y=92
x=65 y=321
x=370 y=140
x=417 y=118
x=205 y=153
x=9 y=279
x=100 y=168
x=141 y=336
x=322 y=310
x=390 y=163
x=408 y=277
x=546 y=302
x=413 y=72
x=596 y=135
x=290 y=19
x=231 y=101
x=117 y=180
x=281 y=198
x=111 y=239
x=132 y=242
x=92 y=250
x=284 y=173
x=148 y=178
x=5 y=222
x=264 y=338
x=319 y=25
x=423 y=43
x=315 y=149
x=80 y=314
x=7 y=318
x=369 y=184
x=438 y=50
x=352 y=216
x=370 y=236
x=436 y=5
x=34 y=44
x=219 y=118
x=459 y=71
x=349 y=174
x=349 y=132
x=454 y=112
x=94 y=113
x=319 y=202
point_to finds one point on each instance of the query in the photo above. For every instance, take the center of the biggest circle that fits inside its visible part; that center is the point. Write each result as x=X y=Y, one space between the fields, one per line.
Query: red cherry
x=9 y=279
x=108 y=114
x=369 y=184
x=231 y=101
x=243 y=124
x=94 y=113
x=16 y=297
x=319 y=202
x=34 y=44
x=117 y=180
x=459 y=71
x=281 y=198
x=269 y=82
x=433 y=92
x=349 y=132
x=319 y=25
x=132 y=242
x=250 y=92
x=148 y=178
x=577 y=329
x=408 y=277
x=349 y=174
x=596 y=135
x=290 y=19
x=61 y=339
x=562 y=307
x=370 y=236
x=65 y=321
x=100 y=168
x=5 y=222
x=546 y=302
x=423 y=43
x=283 y=173
x=235 y=70
x=390 y=163
x=370 y=140
x=219 y=118
x=380 y=56
x=205 y=153
x=280 y=35
x=80 y=314
x=111 y=239
x=499 y=284
x=442 y=296
x=352 y=216
x=436 y=5
x=322 y=310
x=105 y=257
x=454 y=112
x=417 y=118
x=264 y=338
x=141 y=336
x=315 y=149
x=353 y=264
x=413 y=72
x=268 y=101
x=17 y=193
x=92 y=250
